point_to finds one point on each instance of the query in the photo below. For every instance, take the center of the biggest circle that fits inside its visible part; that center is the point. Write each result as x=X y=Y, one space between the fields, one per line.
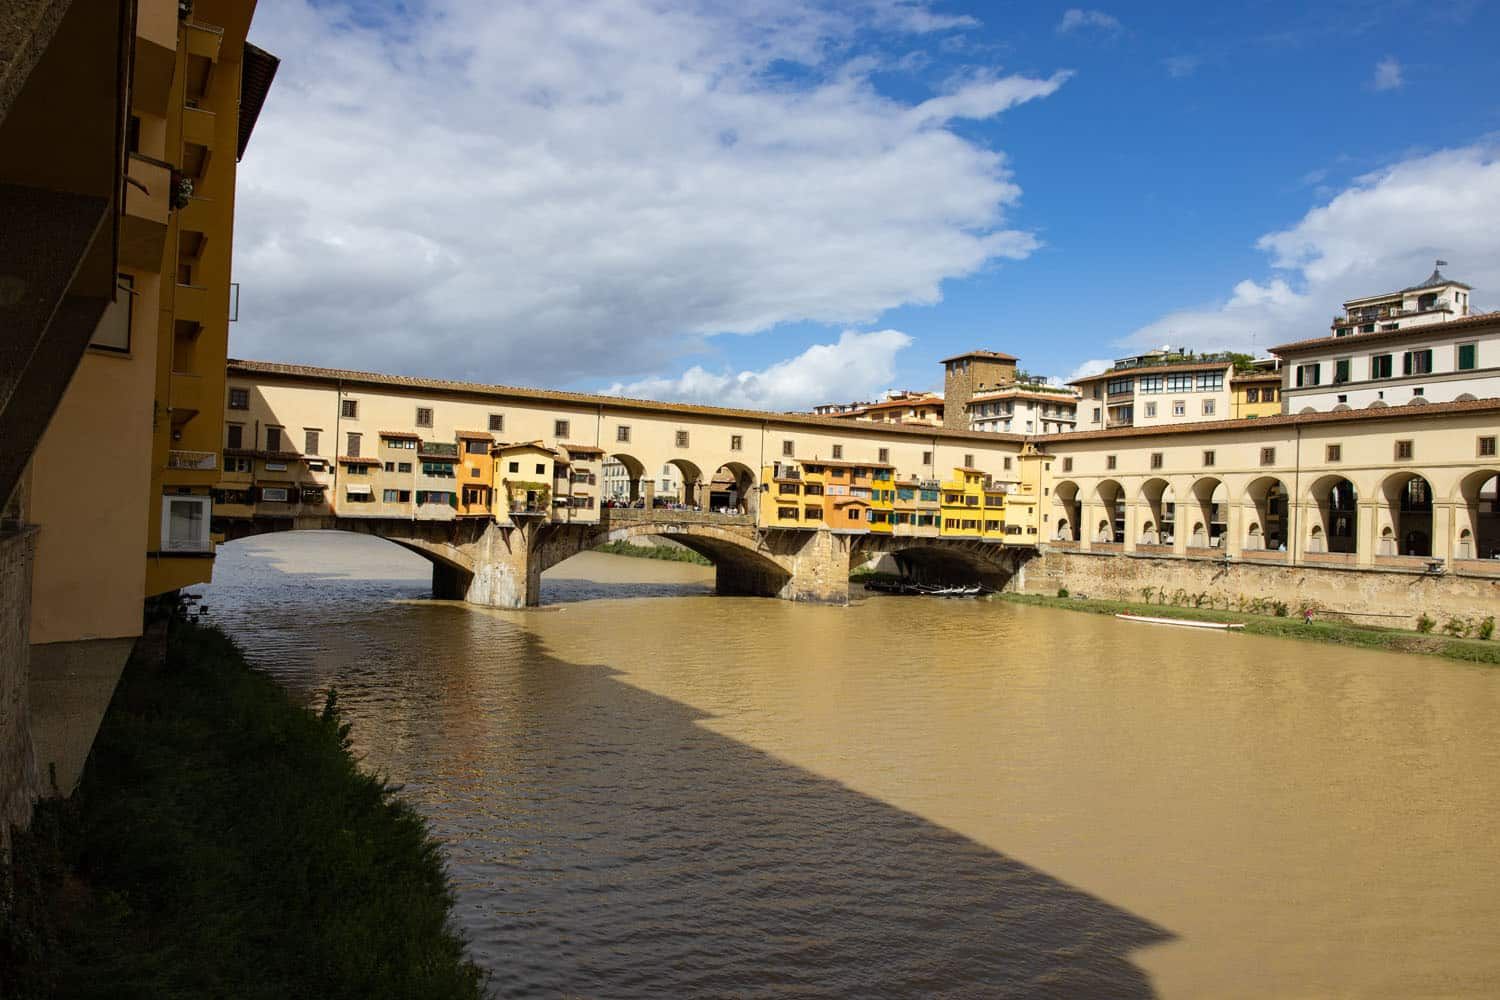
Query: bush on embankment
x=670 y=553
x=1288 y=627
x=224 y=842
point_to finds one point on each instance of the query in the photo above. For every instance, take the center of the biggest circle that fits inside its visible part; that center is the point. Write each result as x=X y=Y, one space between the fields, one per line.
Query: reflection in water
x=725 y=797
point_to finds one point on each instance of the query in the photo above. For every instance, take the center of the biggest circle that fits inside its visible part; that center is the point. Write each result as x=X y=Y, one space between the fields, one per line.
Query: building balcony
x=203 y=39
x=193 y=303
x=198 y=127
x=915 y=530
x=187 y=396
x=143 y=227
x=198 y=215
x=1113 y=422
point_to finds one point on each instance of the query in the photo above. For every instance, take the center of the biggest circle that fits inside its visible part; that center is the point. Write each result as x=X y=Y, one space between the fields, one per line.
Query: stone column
x=1444 y=531
x=1086 y=522
x=1235 y=525
x=1132 y=523
x=819 y=570
x=1367 y=532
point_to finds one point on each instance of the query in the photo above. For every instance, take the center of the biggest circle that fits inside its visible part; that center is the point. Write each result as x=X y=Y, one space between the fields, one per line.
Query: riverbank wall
x=1387 y=597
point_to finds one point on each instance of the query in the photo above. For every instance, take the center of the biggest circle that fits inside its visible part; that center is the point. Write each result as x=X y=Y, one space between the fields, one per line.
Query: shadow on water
x=603 y=842
x=640 y=854
x=564 y=591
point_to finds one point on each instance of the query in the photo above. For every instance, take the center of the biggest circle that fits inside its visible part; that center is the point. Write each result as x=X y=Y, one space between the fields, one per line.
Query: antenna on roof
x=1441 y=263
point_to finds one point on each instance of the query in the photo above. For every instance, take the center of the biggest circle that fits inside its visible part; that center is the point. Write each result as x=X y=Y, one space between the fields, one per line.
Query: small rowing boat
x=1184 y=623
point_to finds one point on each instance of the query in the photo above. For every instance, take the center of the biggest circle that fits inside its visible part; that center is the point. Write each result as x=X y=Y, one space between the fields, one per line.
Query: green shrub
x=1425 y=624
x=1279 y=608
x=1486 y=628
x=1456 y=627
x=1062 y=591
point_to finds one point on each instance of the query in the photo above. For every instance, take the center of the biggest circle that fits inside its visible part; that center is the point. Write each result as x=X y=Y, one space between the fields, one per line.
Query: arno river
x=644 y=790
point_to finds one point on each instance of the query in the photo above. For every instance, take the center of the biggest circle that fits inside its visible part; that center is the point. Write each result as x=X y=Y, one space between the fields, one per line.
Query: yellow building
x=1255 y=394
x=963 y=504
x=882 y=515
x=218 y=83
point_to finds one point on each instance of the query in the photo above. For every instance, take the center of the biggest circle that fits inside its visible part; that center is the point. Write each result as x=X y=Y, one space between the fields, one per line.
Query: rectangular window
x=1334 y=453
x=1096 y=414
x=497 y=421
x=622 y=432
x=239 y=399
x=1308 y=375
x=349 y=409
x=1068 y=465
x=273 y=439
x=1180 y=382
x=1156 y=459
x=403 y=467
x=390 y=467
x=310 y=439
x=736 y=442
x=1268 y=456
x=235 y=436
x=1179 y=408
x=391 y=496
x=184 y=524
x=1120 y=386
x=838 y=451
x=560 y=429
x=1007 y=462
x=541 y=469
x=1252 y=395
x=969 y=460
x=1208 y=407
x=1380 y=366
x=682 y=439
x=787 y=449
x=1208 y=459
x=1109 y=461
x=515 y=467
x=424 y=416
x=1416 y=362
x=1340 y=371
x=353 y=445
x=883 y=455
x=1151 y=409
x=1151 y=383
x=1210 y=381
x=1486 y=447
x=475 y=447
x=926 y=458
x=1403 y=451
x=1468 y=357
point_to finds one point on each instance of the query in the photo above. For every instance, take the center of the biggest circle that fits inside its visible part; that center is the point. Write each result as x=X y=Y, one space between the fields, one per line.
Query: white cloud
x=1380 y=234
x=1387 y=75
x=542 y=193
x=1182 y=66
x=857 y=366
x=1091 y=367
x=1075 y=19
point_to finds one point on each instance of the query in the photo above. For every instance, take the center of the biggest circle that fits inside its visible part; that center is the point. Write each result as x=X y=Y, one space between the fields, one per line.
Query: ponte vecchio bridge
x=494 y=485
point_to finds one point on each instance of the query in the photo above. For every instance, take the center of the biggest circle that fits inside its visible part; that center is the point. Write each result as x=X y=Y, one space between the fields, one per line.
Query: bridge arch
x=1110 y=526
x=452 y=567
x=742 y=565
x=1159 y=525
x=733 y=488
x=694 y=489
x=949 y=561
x=633 y=485
x=1407 y=520
x=1205 y=517
x=1069 y=517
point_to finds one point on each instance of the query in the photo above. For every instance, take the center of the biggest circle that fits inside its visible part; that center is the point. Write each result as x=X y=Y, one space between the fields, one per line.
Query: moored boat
x=1182 y=622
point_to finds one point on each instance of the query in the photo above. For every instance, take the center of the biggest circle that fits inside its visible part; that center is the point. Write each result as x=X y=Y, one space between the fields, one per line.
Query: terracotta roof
x=404 y=435
x=840 y=463
x=898 y=404
x=357 y=460
x=968 y=468
x=257 y=70
x=582 y=449
x=1282 y=420
x=1060 y=396
x=485 y=435
x=1257 y=377
x=253 y=369
x=1382 y=336
x=990 y=355
x=1184 y=366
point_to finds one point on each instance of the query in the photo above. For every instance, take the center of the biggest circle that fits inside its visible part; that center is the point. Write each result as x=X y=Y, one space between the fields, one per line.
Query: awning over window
x=358 y=490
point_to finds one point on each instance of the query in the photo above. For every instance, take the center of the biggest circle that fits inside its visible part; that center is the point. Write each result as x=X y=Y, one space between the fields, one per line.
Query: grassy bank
x=668 y=552
x=1396 y=640
x=224 y=842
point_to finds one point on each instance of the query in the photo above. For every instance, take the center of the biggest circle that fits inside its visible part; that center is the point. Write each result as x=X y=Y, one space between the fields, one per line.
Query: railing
x=201 y=461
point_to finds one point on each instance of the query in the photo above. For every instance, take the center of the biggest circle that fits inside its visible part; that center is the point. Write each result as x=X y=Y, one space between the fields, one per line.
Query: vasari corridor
x=805 y=499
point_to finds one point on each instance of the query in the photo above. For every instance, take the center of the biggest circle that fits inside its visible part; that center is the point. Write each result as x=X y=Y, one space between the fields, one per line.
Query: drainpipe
x=1294 y=512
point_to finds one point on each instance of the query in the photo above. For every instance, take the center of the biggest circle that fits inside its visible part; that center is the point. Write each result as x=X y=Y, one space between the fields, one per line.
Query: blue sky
x=772 y=204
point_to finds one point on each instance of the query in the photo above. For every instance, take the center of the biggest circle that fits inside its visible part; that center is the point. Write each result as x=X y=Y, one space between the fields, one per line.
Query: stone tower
x=964 y=374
